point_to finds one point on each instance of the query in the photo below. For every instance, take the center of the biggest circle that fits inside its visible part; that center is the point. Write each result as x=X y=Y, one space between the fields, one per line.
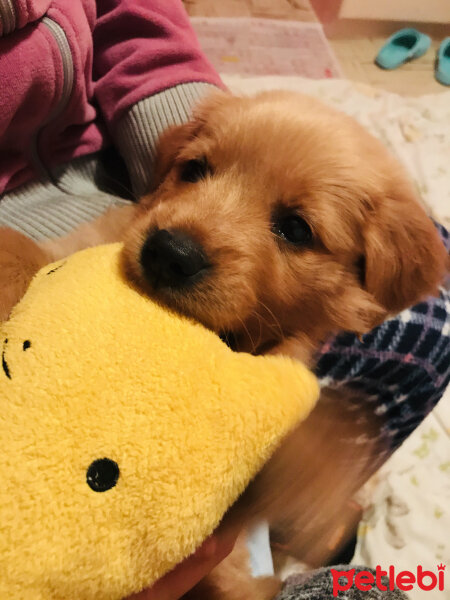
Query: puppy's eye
x=293 y=229
x=194 y=170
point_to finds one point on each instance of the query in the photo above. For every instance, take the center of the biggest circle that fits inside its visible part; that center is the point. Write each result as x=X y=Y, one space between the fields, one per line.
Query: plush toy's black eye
x=293 y=229
x=26 y=345
x=194 y=170
x=102 y=474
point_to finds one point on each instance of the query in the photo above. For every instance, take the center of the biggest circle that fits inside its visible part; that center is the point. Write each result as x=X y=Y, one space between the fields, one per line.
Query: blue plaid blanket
x=399 y=370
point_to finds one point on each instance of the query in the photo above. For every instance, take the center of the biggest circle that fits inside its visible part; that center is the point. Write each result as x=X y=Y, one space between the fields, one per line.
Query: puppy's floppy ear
x=405 y=259
x=171 y=142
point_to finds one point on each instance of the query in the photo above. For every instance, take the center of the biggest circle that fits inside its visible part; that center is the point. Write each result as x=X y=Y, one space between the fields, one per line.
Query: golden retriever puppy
x=277 y=220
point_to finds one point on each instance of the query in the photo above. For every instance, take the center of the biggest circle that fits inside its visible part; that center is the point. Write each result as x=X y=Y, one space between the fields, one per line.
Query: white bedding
x=408 y=520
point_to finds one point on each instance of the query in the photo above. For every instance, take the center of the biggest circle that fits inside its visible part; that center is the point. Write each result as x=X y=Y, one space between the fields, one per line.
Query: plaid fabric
x=400 y=368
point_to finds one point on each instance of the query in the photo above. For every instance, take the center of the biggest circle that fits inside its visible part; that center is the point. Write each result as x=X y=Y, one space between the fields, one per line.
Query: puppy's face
x=274 y=217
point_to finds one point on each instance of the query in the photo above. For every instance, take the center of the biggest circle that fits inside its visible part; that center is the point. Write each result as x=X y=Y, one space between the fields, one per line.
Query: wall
x=427 y=11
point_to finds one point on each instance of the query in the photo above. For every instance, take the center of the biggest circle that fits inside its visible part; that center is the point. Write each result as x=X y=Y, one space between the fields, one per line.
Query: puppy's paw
x=20 y=259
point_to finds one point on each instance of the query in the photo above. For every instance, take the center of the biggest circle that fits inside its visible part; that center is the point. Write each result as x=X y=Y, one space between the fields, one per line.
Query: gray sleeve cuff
x=138 y=131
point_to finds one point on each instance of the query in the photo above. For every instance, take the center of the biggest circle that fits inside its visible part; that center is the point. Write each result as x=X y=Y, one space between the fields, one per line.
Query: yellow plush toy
x=126 y=432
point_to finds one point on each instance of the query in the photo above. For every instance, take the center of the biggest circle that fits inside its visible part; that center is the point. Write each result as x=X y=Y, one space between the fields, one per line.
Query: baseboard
x=345 y=28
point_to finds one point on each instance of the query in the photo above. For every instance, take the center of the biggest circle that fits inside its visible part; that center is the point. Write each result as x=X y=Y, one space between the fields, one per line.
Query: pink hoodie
x=71 y=69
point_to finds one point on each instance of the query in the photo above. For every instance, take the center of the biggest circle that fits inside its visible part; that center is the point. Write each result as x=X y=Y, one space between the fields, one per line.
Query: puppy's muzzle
x=172 y=259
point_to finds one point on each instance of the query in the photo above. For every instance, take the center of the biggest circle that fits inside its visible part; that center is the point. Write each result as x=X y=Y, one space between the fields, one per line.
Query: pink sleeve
x=142 y=47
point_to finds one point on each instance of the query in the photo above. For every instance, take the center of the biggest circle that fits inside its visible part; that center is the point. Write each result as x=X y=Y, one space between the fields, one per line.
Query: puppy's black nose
x=172 y=258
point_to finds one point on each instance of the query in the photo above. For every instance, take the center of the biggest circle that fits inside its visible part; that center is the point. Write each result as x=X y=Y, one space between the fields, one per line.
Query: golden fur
x=372 y=252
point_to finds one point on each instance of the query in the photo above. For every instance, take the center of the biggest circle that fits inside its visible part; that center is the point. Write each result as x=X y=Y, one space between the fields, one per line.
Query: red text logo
x=403 y=580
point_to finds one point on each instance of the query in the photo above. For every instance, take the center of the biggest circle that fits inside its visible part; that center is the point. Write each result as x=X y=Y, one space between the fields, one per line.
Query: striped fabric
x=138 y=132
x=51 y=208
x=399 y=370
x=86 y=187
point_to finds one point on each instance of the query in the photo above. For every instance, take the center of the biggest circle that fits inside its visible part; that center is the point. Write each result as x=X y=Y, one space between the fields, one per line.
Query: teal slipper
x=404 y=45
x=442 y=71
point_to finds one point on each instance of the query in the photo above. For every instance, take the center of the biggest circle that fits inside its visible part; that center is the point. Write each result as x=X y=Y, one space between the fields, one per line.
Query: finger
x=193 y=569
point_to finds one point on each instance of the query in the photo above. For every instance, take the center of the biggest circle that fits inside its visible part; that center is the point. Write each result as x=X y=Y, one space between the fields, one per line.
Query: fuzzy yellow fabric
x=91 y=369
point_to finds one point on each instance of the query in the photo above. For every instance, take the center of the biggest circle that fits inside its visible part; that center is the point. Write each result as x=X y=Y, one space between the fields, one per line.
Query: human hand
x=193 y=569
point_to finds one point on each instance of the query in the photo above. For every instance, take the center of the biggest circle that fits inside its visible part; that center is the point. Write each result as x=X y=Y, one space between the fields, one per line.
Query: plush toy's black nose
x=172 y=258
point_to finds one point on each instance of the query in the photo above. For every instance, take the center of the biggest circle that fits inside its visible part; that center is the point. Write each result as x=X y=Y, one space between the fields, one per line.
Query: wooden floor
x=413 y=79
x=355 y=53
